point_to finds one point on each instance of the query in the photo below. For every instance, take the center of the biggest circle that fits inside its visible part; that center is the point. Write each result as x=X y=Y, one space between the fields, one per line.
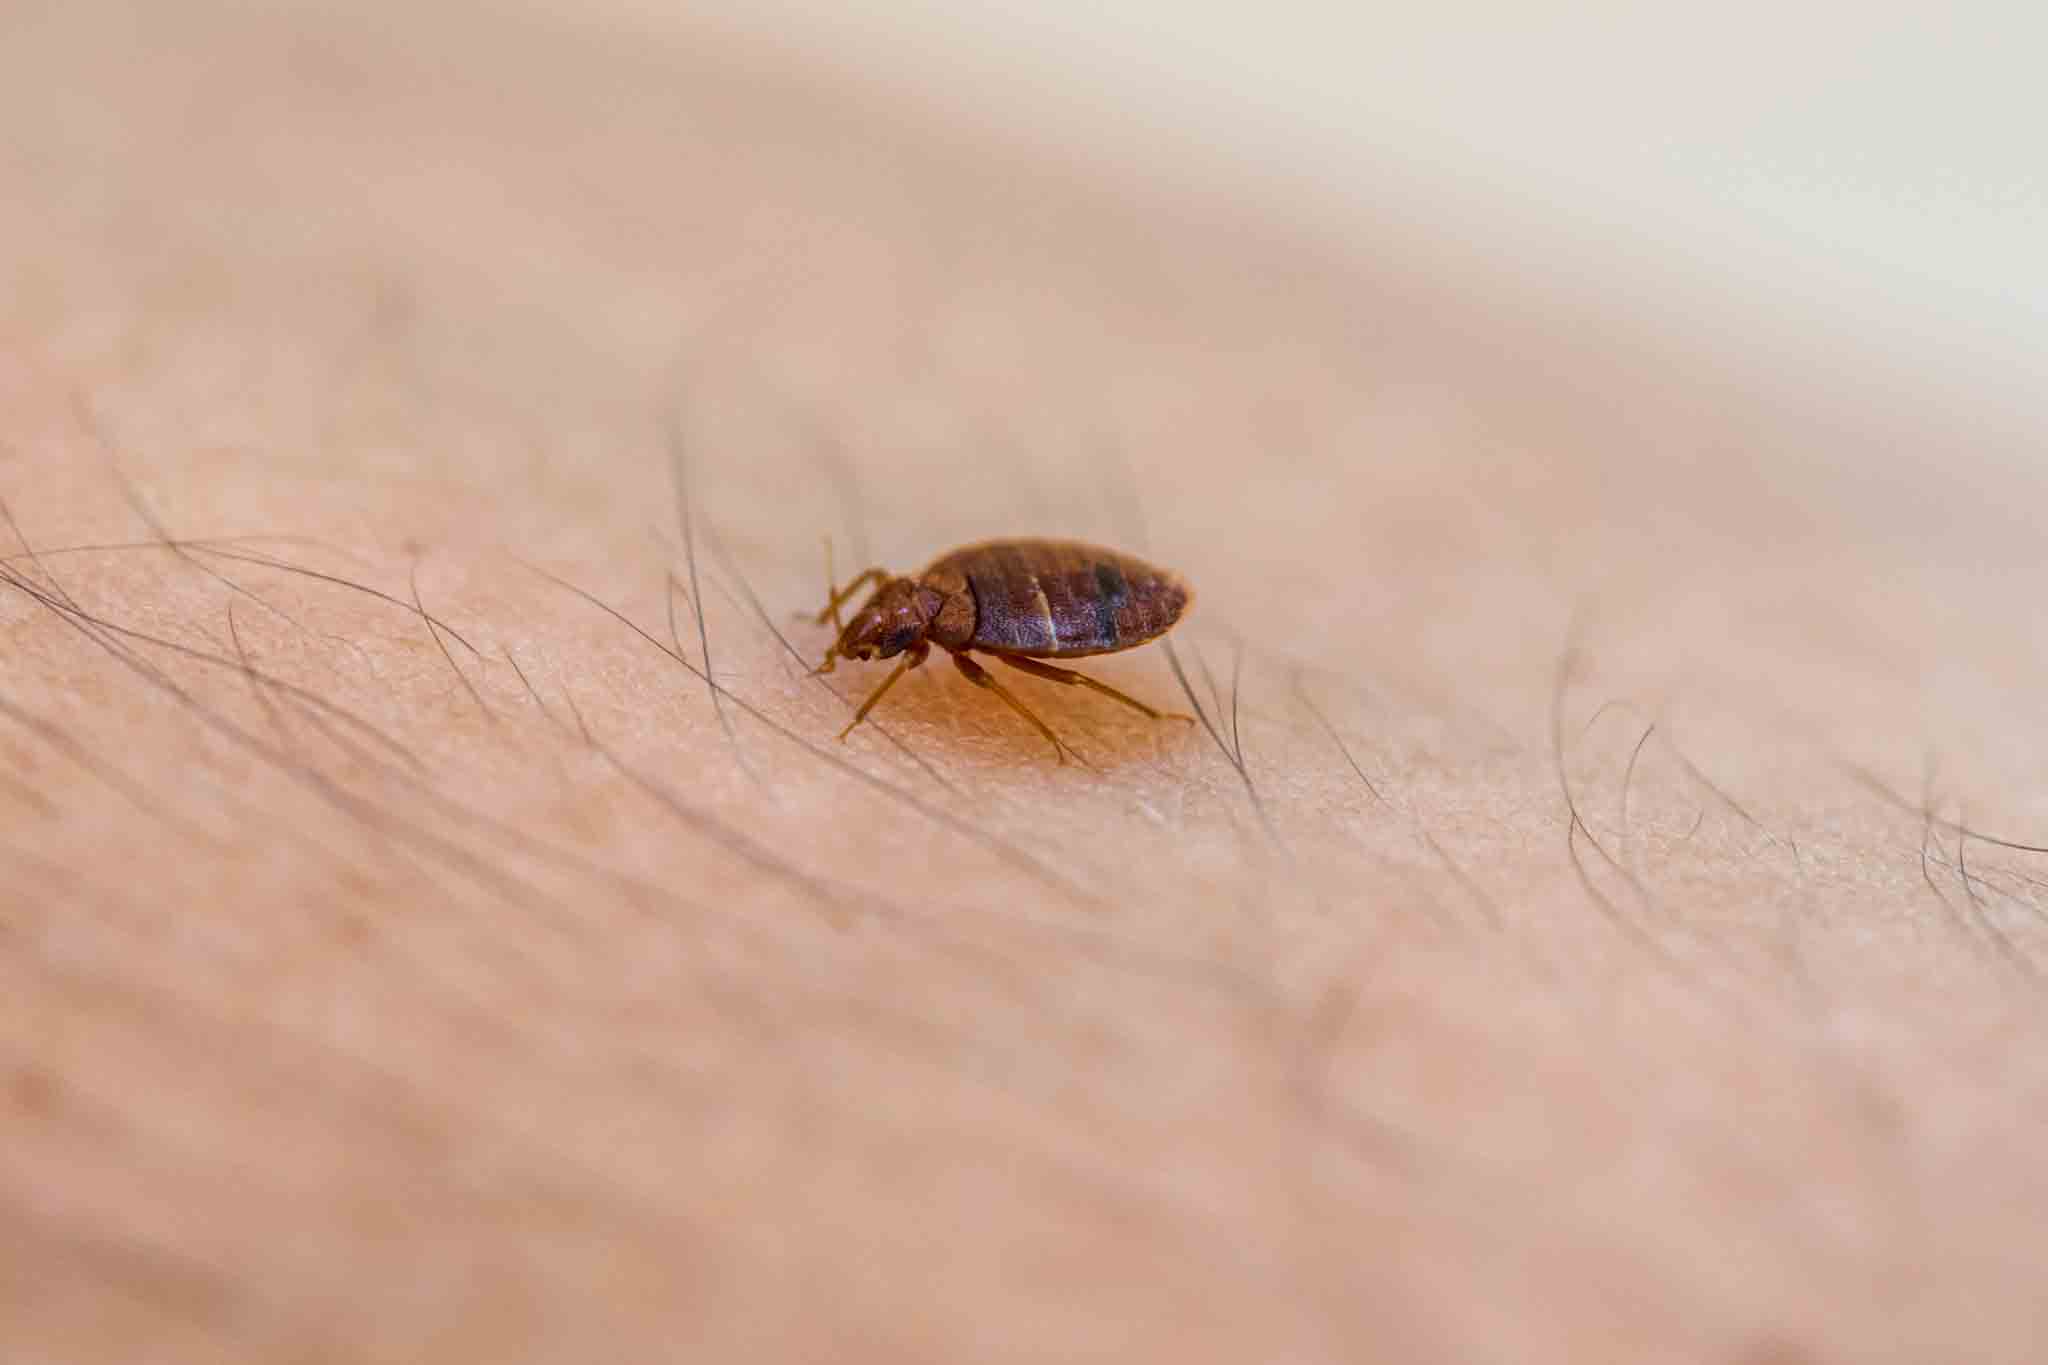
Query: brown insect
x=1019 y=601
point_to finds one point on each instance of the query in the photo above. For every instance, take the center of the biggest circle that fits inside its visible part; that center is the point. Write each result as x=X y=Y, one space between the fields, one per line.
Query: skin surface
x=436 y=923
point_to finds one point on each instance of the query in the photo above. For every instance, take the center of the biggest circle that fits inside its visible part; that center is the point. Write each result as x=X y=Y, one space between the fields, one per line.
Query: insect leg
x=831 y=611
x=1068 y=676
x=833 y=597
x=832 y=594
x=911 y=659
x=979 y=676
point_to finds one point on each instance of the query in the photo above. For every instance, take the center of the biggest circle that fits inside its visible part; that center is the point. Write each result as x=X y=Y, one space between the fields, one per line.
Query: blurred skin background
x=1597 y=916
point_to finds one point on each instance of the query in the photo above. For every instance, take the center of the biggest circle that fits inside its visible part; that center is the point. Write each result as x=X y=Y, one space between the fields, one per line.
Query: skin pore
x=1591 y=917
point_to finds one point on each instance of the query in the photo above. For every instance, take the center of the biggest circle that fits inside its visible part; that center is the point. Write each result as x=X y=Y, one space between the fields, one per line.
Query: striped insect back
x=1058 y=599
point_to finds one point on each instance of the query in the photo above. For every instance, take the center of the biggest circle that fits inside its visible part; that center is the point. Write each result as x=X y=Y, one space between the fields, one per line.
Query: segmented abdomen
x=1055 y=599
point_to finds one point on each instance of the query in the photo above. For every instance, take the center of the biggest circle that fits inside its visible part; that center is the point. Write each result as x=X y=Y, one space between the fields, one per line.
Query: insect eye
x=899 y=640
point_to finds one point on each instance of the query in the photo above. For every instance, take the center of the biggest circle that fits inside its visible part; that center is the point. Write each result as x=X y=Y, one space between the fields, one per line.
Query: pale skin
x=1586 y=921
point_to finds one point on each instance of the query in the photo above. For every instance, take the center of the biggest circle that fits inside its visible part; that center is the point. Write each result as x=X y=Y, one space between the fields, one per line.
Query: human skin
x=484 y=950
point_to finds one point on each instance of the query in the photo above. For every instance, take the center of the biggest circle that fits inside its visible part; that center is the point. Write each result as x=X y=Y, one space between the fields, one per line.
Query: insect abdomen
x=1055 y=599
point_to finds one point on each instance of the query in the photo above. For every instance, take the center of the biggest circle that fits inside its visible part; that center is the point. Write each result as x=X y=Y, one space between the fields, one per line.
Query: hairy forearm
x=439 y=916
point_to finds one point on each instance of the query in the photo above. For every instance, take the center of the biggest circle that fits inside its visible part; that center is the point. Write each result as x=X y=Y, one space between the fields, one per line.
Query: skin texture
x=441 y=926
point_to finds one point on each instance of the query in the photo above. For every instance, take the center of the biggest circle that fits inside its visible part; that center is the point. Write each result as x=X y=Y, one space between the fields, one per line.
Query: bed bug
x=1018 y=601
